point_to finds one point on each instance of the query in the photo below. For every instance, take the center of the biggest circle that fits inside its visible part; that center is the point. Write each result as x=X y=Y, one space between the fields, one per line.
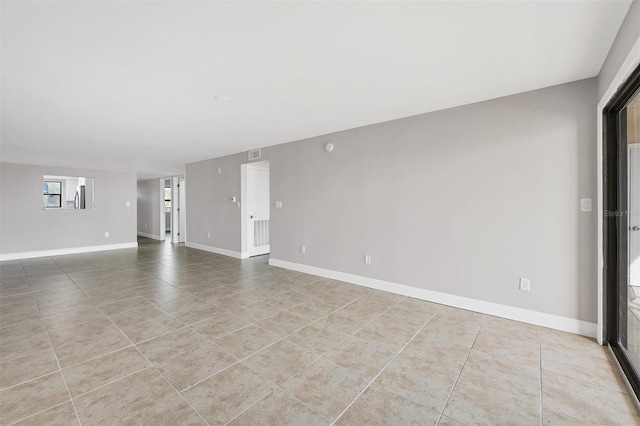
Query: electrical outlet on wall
x=208 y=234
x=106 y=234
x=525 y=284
x=367 y=259
x=303 y=249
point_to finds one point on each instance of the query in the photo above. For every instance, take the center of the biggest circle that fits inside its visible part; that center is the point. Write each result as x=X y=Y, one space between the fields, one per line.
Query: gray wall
x=208 y=206
x=627 y=36
x=149 y=203
x=25 y=226
x=462 y=201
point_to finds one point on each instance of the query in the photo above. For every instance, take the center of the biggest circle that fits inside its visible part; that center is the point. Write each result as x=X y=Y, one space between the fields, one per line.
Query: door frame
x=163 y=225
x=175 y=226
x=181 y=208
x=624 y=71
x=615 y=221
x=178 y=221
x=245 y=253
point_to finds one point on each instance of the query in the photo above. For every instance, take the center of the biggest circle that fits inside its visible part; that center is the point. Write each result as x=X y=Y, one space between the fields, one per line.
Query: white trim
x=504 y=311
x=163 y=217
x=629 y=64
x=152 y=236
x=175 y=216
x=216 y=250
x=243 y=210
x=59 y=252
x=182 y=181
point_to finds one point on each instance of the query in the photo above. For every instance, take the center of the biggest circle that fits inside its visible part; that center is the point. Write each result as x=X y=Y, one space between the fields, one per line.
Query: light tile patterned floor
x=169 y=335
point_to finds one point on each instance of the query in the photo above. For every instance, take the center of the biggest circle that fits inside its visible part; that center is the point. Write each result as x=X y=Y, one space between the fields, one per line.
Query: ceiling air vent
x=255 y=154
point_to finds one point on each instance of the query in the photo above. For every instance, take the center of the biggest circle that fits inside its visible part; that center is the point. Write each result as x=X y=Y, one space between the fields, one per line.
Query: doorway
x=621 y=118
x=255 y=208
x=178 y=210
x=167 y=210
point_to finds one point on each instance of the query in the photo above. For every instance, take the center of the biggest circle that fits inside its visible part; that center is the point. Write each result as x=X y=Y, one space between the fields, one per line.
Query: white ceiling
x=131 y=85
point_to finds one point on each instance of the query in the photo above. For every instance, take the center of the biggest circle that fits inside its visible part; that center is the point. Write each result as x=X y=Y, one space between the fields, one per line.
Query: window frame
x=48 y=194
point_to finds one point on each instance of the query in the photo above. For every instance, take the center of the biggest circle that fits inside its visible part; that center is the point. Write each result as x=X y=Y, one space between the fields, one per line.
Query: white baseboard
x=504 y=311
x=152 y=236
x=216 y=250
x=59 y=252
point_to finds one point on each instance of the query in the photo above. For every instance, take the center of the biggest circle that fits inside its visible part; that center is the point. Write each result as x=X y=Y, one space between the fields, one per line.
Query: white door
x=182 y=210
x=258 y=214
x=634 y=216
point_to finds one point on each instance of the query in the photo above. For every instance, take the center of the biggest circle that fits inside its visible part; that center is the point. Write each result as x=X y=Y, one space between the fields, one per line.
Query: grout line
x=250 y=276
x=112 y=381
x=271 y=392
x=240 y=361
x=159 y=372
x=64 y=379
x=152 y=365
x=386 y=365
x=75 y=365
x=541 y=413
x=599 y=385
x=29 y=380
x=463 y=365
x=302 y=402
x=277 y=341
x=38 y=412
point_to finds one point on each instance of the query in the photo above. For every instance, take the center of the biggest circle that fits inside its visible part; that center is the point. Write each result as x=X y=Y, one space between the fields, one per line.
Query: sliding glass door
x=632 y=112
x=622 y=226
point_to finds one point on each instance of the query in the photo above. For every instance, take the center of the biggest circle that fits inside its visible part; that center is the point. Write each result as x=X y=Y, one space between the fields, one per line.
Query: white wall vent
x=255 y=154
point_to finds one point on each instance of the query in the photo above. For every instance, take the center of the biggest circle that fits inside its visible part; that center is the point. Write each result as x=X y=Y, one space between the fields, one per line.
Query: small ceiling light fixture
x=328 y=147
x=222 y=98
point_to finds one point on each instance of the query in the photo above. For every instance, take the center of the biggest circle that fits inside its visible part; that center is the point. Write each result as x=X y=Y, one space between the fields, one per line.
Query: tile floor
x=169 y=335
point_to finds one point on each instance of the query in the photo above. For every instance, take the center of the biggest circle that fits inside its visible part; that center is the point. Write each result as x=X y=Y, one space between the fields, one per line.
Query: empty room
x=320 y=212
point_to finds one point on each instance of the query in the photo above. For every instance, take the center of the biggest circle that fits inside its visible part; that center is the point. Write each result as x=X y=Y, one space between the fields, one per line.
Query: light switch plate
x=585 y=204
x=278 y=204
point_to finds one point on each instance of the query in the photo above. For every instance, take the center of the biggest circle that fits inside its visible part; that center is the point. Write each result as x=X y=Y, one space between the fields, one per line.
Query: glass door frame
x=615 y=223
